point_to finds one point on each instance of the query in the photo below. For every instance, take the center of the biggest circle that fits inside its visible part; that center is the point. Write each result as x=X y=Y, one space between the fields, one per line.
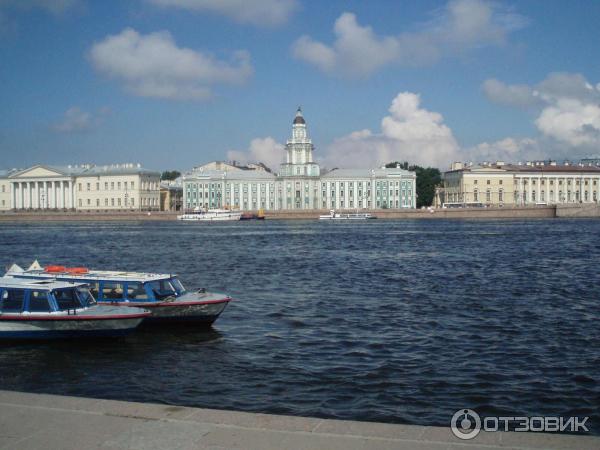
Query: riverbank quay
x=40 y=421
x=523 y=212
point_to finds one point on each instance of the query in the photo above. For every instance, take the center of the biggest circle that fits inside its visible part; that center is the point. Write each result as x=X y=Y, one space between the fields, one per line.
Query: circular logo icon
x=465 y=424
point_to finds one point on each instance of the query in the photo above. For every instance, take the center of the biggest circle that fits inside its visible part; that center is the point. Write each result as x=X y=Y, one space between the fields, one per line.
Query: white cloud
x=519 y=95
x=508 y=150
x=359 y=51
x=255 y=12
x=572 y=121
x=570 y=106
x=153 y=65
x=76 y=120
x=409 y=133
x=266 y=150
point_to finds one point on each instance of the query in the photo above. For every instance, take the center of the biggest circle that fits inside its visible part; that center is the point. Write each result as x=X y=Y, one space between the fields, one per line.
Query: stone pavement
x=37 y=421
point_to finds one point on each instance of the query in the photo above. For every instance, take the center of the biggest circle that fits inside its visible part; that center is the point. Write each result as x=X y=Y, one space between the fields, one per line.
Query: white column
x=64 y=194
x=13 y=196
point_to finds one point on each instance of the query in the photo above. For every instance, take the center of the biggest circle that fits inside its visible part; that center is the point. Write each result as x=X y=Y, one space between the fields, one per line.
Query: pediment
x=38 y=171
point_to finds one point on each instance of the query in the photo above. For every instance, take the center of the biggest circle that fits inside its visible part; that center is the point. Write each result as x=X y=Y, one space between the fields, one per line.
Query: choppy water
x=395 y=321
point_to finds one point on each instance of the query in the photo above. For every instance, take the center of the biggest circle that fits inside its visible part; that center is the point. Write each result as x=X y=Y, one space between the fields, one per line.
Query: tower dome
x=299 y=119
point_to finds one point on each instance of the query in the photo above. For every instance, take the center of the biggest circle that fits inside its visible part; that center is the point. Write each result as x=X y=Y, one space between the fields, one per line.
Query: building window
x=475 y=196
x=97 y=186
x=475 y=182
x=89 y=202
x=80 y=188
x=500 y=195
x=112 y=202
x=488 y=195
x=112 y=185
x=97 y=202
x=488 y=181
x=80 y=202
x=500 y=182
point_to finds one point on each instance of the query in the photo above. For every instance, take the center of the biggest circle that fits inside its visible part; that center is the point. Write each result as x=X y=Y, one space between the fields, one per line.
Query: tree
x=427 y=179
x=170 y=175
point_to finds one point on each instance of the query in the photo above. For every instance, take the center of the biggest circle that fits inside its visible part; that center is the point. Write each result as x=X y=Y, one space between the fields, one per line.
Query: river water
x=394 y=321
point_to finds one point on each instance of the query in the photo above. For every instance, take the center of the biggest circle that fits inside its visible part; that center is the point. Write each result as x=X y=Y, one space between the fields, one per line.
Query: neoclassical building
x=80 y=187
x=531 y=183
x=300 y=184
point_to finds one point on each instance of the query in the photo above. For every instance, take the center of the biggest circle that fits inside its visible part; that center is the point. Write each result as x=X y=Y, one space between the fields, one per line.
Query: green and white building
x=300 y=184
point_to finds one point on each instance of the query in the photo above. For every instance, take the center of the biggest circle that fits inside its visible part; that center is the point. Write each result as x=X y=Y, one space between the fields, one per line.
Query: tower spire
x=299 y=117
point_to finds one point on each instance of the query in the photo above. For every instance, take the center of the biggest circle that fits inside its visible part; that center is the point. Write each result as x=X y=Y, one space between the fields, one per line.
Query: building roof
x=534 y=167
x=91 y=170
x=366 y=173
x=237 y=175
x=40 y=285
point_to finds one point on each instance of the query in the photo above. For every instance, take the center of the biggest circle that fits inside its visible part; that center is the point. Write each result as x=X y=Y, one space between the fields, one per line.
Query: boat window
x=162 y=289
x=136 y=291
x=12 y=300
x=177 y=285
x=38 y=301
x=113 y=291
x=67 y=299
x=85 y=296
x=94 y=289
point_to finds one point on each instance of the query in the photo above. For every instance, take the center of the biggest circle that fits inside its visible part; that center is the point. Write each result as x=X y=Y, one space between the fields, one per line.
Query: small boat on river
x=260 y=215
x=162 y=294
x=46 y=309
x=346 y=216
x=210 y=215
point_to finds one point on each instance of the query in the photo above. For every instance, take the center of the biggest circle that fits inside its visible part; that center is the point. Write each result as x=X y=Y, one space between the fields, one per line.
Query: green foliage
x=427 y=179
x=170 y=175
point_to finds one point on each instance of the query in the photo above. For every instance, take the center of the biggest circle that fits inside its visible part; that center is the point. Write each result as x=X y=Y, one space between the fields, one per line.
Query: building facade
x=499 y=184
x=84 y=187
x=300 y=184
x=171 y=195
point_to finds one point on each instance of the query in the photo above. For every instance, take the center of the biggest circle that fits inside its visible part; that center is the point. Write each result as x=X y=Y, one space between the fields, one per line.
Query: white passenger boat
x=346 y=216
x=211 y=215
x=162 y=294
x=44 y=309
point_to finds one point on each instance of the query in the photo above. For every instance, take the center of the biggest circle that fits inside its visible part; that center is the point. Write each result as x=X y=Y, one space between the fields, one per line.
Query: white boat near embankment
x=346 y=216
x=210 y=215
x=49 y=309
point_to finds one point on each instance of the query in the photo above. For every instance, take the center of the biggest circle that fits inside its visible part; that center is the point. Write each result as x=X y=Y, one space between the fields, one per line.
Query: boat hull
x=62 y=329
x=203 y=313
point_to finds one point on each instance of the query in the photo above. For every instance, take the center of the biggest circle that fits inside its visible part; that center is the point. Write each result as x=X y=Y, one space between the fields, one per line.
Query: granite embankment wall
x=535 y=212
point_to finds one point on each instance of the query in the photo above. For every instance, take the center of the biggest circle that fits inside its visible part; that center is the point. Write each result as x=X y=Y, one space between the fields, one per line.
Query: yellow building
x=532 y=183
x=84 y=187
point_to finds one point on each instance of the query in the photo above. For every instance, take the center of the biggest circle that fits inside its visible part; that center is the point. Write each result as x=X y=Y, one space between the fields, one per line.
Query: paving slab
x=40 y=421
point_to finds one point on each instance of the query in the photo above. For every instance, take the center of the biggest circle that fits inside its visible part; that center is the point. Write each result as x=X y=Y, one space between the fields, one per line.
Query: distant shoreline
x=532 y=212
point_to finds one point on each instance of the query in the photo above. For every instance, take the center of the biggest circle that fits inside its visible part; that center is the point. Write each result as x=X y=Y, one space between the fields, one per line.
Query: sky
x=173 y=84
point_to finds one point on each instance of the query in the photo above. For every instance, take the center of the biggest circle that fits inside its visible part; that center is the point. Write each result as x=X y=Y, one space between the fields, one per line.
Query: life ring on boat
x=55 y=269
x=77 y=270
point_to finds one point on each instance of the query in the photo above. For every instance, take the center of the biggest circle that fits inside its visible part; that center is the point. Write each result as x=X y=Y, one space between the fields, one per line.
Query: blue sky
x=176 y=83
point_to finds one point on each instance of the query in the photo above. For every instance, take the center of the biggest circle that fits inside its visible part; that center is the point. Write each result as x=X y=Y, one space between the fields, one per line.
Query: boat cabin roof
x=38 y=285
x=100 y=275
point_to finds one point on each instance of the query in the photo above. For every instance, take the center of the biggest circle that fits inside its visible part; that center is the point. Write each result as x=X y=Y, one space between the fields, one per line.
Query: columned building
x=539 y=182
x=82 y=187
x=300 y=184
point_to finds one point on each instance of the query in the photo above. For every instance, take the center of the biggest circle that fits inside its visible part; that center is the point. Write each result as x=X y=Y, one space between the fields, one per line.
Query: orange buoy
x=55 y=269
